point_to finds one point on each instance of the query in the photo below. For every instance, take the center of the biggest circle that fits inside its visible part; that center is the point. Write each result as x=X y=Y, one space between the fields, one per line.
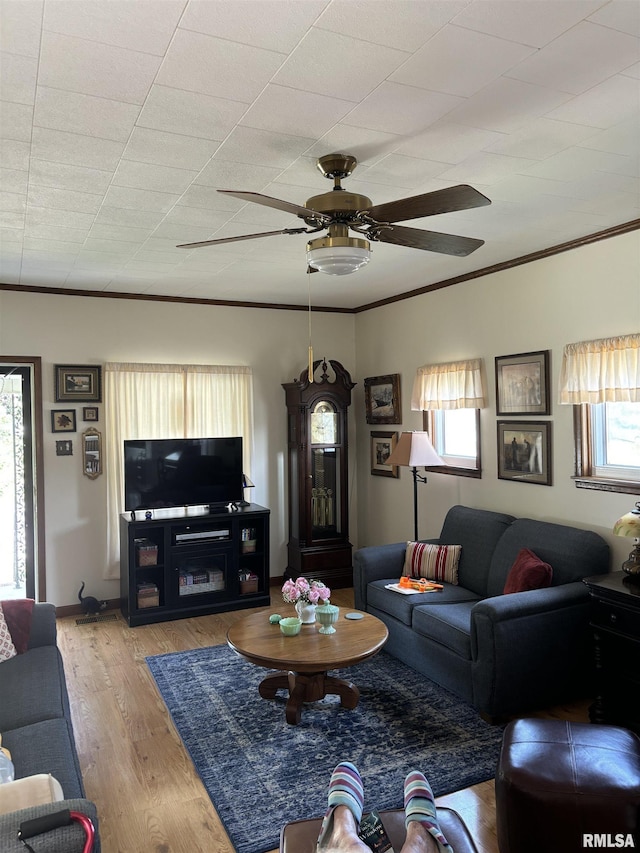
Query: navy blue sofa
x=503 y=654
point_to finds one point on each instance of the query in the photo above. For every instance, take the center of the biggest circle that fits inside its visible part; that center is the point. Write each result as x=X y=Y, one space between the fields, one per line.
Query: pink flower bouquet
x=310 y=592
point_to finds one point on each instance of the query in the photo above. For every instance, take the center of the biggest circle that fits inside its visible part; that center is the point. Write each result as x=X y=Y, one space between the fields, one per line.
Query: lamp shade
x=414 y=449
x=629 y=523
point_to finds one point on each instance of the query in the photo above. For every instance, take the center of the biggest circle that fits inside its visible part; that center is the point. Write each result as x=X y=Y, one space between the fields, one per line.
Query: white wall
x=65 y=329
x=586 y=293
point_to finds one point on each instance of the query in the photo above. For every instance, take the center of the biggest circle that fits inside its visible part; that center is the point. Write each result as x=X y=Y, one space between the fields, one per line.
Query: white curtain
x=168 y=401
x=453 y=385
x=601 y=371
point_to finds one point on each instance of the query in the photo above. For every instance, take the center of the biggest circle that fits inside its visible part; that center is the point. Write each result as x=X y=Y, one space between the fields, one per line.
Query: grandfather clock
x=319 y=544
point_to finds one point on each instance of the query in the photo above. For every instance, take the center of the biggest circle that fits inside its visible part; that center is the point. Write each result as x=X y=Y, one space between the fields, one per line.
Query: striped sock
x=419 y=806
x=345 y=789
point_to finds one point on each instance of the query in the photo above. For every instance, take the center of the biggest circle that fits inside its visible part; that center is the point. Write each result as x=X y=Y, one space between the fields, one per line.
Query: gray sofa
x=35 y=724
x=504 y=654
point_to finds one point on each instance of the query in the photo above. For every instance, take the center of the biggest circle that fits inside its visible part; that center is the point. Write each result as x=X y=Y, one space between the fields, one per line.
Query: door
x=22 y=570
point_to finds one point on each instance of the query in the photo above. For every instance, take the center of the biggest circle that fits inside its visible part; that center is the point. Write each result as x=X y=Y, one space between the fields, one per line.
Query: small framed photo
x=64 y=448
x=63 y=420
x=89 y=413
x=524 y=451
x=522 y=384
x=382 y=399
x=78 y=383
x=382 y=446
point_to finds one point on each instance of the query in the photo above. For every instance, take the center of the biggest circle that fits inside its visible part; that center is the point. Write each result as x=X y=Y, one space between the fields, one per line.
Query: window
x=607 y=439
x=455 y=434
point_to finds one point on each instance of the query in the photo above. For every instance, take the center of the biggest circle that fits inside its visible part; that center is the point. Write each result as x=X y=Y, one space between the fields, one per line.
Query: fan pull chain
x=310 y=345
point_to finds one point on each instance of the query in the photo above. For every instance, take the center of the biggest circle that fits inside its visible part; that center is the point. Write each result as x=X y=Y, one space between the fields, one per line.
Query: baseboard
x=76 y=609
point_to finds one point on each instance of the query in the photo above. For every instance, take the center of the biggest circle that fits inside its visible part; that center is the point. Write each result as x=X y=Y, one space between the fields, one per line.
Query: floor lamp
x=413 y=449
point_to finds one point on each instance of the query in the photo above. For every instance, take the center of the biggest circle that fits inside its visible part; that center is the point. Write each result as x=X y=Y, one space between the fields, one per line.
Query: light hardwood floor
x=149 y=797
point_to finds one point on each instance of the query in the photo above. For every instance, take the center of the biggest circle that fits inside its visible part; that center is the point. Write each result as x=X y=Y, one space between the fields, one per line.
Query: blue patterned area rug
x=261 y=772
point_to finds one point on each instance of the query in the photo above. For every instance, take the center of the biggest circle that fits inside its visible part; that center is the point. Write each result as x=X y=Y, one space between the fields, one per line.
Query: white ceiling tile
x=567 y=63
x=18 y=78
x=87 y=279
x=66 y=218
x=403 y=24
x=185 y=216
x=632 y=71
x=506 y=105
x=368 y=146
x=55 y=232
x=124 y=248
x=85 y=114
x=47 y=174
x=123 y=218
x=133 y=199
x=169 y=149
x=292 y=111
x=14 y=154
x=402 y=171
x=21 y=26
x=213 y=66
x=145 y=25
x=176 y=233
x=13 y=202
x=272 y=24
x=541 y=138
x=11 y=219
x=623 y=15
x=61 y=199
x=460 y=62
x=14 y=180
x=96 y=69
x=623 y=138
x=190 y=113
x=485 y=168
x=226 y=175
x=117 y=232
x=147 y=176
x=73 y=149
x=208 y=197
x=249 y=145
x=611 y=102
x=447 y=142
x=535 y=23
x=68 y=250
x=15 y=121
x=393 y=107
x=574 y=164
x=338 y=65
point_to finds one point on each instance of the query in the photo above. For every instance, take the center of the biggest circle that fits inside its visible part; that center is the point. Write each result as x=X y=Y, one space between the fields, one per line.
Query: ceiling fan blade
x=461 y=197
x=241 y=237
x=278 y=204
x=430 y=241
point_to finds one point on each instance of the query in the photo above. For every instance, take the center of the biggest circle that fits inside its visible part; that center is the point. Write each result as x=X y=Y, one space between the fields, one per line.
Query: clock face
x=324 y=423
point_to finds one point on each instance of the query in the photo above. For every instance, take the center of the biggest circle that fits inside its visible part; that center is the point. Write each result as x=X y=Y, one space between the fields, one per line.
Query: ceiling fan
x=339 y=211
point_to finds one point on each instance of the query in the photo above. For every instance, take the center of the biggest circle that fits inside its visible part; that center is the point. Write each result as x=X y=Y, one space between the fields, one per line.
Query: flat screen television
x=171 y=472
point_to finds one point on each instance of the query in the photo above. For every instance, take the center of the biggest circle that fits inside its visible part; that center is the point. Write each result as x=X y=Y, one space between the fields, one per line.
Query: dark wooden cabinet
x=615 y=623
x=317 y=421
x=172 y=568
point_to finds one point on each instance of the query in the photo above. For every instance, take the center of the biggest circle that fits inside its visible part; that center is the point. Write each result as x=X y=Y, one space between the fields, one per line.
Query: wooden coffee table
x=307 y=657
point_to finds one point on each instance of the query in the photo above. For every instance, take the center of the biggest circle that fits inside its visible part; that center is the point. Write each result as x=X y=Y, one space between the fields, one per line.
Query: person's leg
x=423 y=830
x=339 y=831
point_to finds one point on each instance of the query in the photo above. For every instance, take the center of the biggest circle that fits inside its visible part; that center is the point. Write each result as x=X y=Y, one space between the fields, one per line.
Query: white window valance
x=454 y=385
x=602 y=371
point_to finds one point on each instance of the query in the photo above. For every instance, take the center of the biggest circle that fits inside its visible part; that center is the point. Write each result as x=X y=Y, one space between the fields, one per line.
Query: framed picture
x=382 y=445
x=524 y=451
x=63 y=420
x=64 y=448
x=89 y=413
x=522 y=384
x=382 y=399
x=78 y=383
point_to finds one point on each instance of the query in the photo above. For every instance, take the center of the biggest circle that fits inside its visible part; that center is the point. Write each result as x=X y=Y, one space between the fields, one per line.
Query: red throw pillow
x=528 y=572
x=17 y=614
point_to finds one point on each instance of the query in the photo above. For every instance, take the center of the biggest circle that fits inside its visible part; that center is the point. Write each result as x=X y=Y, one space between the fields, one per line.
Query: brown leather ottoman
x=559 y=781
x=300 y=836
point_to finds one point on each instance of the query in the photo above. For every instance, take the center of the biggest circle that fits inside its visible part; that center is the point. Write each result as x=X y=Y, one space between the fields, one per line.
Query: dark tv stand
x=173 y=568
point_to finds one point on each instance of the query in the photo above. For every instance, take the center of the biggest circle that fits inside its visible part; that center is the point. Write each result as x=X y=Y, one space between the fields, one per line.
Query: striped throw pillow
x=433 y=562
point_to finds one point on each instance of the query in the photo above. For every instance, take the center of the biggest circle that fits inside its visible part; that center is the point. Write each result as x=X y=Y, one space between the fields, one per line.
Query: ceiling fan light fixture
x=338 y=255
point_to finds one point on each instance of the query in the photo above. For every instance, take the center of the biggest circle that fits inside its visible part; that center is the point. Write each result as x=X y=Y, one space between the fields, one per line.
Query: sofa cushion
x=7 y=648
x=18 y=613
x=572 y=553
x=401 y=606
x=32 y=688
x=30 y=791
x=528 y=572
x=46 y=747
x=478 y=531
x=446 y=624
x=433 y=562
